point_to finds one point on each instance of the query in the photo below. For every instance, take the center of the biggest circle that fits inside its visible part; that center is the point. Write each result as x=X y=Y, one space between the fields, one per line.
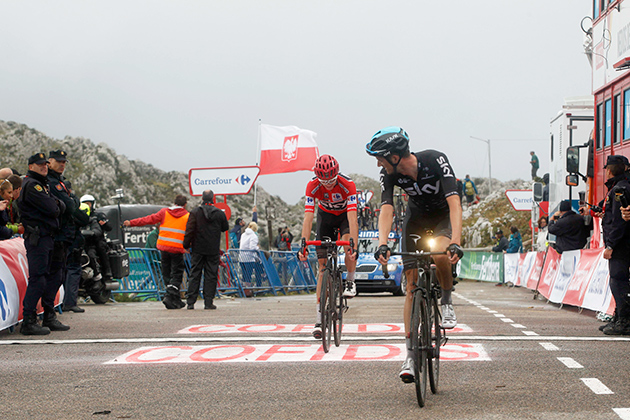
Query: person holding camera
x=617 y=241
x=284 y=239
x=569 y=227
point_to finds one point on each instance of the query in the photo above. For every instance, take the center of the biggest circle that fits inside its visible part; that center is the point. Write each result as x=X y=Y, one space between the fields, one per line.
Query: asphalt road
x=513 y=358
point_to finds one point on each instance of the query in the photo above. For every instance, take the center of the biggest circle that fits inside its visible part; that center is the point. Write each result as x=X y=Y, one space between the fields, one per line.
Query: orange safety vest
x=172 y=232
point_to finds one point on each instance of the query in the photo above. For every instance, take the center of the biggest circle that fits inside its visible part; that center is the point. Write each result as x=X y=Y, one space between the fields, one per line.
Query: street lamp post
x=487 y=141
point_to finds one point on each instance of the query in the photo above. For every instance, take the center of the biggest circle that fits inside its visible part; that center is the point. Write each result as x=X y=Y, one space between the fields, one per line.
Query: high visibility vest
x=172 y=232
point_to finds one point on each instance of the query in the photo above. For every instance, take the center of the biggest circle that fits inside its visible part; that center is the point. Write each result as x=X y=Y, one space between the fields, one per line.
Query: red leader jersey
x=340 y=199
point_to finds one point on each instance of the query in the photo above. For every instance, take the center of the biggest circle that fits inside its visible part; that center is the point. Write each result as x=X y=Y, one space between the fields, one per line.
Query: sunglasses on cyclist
x=328 y=182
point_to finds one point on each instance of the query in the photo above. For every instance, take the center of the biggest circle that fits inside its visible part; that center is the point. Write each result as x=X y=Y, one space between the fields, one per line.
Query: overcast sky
x=182 y=84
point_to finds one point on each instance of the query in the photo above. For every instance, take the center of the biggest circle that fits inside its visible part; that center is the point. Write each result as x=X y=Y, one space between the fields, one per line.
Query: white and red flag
x=286 y=149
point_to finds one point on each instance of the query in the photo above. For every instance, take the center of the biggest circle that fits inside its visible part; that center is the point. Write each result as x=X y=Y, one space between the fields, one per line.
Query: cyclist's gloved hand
x=303 y=251
x=455 y=249
x=382 y=250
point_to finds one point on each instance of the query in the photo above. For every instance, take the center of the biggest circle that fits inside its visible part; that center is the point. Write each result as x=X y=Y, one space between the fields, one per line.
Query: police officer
x=40 y=212
x=64 y=238
x=617 y=241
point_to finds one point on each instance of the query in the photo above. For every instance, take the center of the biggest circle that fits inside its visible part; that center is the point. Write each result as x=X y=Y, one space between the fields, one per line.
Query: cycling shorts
x=326 y=225
x=414 y=232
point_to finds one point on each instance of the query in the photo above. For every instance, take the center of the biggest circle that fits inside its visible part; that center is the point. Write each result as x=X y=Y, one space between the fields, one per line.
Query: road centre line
x=596 y=386
x=532 y=333
x=499 y=315
x=223 y=339
x=623 y=413
x=550 y=346
x=518 y=325
x=506 y=320
x=570 y=363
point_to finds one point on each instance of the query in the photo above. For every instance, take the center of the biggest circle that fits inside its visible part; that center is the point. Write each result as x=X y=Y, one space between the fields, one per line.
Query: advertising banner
x=582 y=276
x=534 y=273
x=549 y=272
x=222 y=181
x=510 y=267
x=484 y=266
x=598 y=296
x=568 y=261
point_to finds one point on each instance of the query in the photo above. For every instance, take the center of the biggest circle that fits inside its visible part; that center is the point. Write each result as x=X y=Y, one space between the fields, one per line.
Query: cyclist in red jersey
x=336 y=195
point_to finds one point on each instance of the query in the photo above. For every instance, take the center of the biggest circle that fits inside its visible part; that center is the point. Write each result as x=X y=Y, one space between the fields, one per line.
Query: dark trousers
x=39 y=258
x=57 y=274
x=208 y=266
x=172 y=269
x=620 y=285
x=73 y=278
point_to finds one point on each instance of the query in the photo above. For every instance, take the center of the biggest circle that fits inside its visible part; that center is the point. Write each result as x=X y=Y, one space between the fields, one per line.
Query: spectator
x=470 y=190
x=569 y=227
x=5 y=173
x=40 y=213
x=6 y=194
x=541 y=242
x=170 y=242
x=237 y=230
x=152 y=238
x=545 y=181
x=617 y=240
x=460 y=191
x=12 y=208
x=535 y=164
x=284 y=239
x=515 y=243
x=203 y=233
x=502 y=245
x=248 y=255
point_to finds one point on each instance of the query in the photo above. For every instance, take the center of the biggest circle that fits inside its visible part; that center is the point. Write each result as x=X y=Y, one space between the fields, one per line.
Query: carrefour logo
x=214 y=181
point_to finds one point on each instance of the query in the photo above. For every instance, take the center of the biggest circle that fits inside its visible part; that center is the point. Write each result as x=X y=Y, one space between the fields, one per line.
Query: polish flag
x=286 y=149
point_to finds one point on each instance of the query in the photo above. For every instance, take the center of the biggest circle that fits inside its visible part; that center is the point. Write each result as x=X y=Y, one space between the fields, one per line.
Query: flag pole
x=257 y=156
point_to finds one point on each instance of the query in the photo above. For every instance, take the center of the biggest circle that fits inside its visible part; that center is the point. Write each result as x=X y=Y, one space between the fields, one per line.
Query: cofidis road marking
x=303 y=329
x=290 y=353
x=596 y=386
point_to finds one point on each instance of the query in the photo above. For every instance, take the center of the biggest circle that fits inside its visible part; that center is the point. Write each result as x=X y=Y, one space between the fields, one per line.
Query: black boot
x=30 y=326
x=611 y=323
x=51 y=321
x=173 y=300
x=620 y=327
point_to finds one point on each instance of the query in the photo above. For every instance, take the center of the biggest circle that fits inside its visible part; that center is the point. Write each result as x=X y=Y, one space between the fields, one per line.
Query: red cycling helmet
x=326 y=167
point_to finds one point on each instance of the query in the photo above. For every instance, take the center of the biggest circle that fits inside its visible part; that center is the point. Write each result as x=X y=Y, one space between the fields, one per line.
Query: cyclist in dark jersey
x=434 y=205
x=336 y=195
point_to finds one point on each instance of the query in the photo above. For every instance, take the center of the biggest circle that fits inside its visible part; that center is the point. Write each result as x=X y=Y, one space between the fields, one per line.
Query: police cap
x=617 y=159
x=58 y=155
x=37 y=159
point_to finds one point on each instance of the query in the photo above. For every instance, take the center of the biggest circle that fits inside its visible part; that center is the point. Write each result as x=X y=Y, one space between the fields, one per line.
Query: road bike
x=427 y=334
x=332 y=304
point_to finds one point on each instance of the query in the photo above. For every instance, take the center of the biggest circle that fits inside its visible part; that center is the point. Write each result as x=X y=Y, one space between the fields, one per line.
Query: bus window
x=626 y=114
x=595 y=9
x=608 y=128
x=600 y=126
x=617 y=131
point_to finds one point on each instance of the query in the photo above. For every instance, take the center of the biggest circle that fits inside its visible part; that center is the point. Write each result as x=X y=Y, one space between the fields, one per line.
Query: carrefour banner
x=484 y=266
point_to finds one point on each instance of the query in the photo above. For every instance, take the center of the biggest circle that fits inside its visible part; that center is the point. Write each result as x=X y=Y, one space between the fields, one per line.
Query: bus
x=609 y=52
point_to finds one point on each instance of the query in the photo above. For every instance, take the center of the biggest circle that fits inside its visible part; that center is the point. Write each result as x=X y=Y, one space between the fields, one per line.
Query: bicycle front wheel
x=437 y=334
x=327 y=303
x=420 y=333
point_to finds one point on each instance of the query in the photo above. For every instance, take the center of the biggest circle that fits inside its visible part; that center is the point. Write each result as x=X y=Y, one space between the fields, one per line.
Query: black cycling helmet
x=388 y=141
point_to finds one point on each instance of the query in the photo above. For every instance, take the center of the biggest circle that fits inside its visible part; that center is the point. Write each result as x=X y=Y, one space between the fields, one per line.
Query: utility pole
x=487 y=141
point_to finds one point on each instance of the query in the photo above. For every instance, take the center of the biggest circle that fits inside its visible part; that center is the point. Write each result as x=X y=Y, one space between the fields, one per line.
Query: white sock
x=409 y=349
x=319 y=316
x=350 y=276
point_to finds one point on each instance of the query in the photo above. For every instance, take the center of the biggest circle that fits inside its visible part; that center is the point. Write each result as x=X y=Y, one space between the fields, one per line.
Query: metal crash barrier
x=241 y=273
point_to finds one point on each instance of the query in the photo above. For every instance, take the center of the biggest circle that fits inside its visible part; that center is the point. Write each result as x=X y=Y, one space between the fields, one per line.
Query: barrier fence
x=242 y=273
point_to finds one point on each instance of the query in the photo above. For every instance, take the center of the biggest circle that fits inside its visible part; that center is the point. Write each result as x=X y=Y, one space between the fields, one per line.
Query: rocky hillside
x=98 y=170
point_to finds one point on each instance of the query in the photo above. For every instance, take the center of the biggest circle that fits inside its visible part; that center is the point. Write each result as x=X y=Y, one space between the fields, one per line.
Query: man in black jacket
x=203 y=231
x=569 y=227
x=502 y=245
x=40 y=215
x=617 y=240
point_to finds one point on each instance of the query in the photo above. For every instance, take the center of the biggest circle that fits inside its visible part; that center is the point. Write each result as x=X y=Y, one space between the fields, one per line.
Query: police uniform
x=40 y=212
x=617 y=238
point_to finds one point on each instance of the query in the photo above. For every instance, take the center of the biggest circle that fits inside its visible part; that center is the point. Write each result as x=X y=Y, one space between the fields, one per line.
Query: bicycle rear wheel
x=339 y=309
x=420 y=332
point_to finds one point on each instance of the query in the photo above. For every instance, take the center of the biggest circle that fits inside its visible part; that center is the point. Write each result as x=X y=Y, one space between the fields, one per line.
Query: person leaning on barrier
x=203 y=232
x=12 y=208
x=170 y=242
x=515 y=243
x=543 y=228
x=616 y=231
x=239 y=227
x=40 y=213
x=502 y=245
x=569 y=227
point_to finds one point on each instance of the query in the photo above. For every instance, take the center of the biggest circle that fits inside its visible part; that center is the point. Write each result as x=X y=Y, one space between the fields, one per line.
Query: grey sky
x=182 y=84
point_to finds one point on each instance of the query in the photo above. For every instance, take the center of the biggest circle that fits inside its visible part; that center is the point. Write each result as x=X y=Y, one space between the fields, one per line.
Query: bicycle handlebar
x=417 y=254
x=330 y=243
